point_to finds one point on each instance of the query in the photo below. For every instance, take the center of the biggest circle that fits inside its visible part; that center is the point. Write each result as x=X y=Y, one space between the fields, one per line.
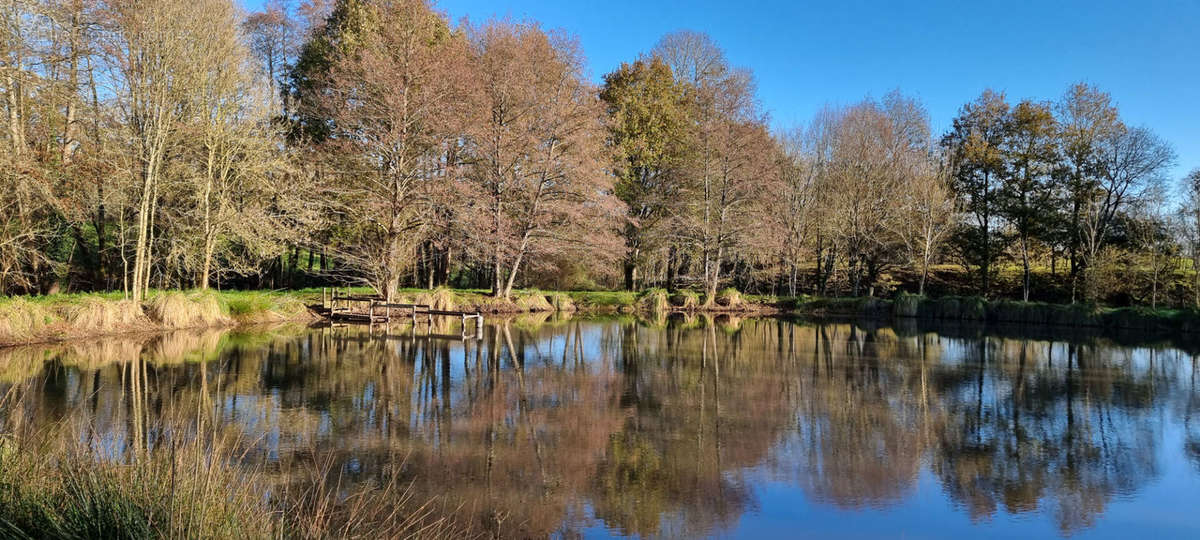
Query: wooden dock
x=372 y=309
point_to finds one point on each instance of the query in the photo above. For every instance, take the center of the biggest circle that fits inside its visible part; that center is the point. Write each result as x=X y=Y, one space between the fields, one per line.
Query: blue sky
x=806 y=54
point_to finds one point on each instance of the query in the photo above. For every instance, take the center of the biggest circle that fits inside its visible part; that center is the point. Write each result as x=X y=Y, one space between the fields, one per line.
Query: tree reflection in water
x=647 y=427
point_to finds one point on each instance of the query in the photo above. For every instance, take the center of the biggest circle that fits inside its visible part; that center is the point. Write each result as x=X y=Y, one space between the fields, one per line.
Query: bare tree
x=928 y=209
x=1132 y=164
x=1086 y=116
x=1189 y=229
x=149 y=46
x=538 y=151
x=273 y=36
x=394 y=108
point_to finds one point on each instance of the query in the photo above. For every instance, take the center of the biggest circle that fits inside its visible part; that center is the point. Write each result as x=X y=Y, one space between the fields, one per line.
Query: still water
x=750 y=428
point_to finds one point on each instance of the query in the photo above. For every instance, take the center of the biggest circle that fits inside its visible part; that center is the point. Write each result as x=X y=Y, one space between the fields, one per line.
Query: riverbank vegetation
x=172 y=144
x=69 y=316
x=58 y=482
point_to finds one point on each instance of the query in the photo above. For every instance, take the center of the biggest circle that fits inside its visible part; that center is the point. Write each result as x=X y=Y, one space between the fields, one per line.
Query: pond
x=677 y=427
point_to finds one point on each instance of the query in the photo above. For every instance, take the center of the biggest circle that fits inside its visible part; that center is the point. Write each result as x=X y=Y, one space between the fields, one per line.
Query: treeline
x=184 y=144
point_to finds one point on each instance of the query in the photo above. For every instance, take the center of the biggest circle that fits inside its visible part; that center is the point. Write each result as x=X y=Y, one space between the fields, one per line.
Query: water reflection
x=682 y=427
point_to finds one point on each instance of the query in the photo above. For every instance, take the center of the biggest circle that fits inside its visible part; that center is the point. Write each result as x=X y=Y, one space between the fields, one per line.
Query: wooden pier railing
x=341 y=306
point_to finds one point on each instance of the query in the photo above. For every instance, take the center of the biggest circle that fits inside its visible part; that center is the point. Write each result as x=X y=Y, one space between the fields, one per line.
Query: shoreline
x=66 y=318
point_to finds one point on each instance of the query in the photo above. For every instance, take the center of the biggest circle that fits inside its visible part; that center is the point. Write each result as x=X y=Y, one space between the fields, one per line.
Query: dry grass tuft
x=176 y=310
x=561 y=302
x=655 y=300
x=440 y=298
x=21 y=319
x=532 y=301
x=730 y=298
x=98 y=314
x=685 y=299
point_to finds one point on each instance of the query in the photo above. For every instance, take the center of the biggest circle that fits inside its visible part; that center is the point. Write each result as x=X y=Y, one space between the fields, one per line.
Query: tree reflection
x=652 y=427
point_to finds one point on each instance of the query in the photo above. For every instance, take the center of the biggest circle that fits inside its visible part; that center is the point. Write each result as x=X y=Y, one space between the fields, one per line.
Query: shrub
x=871 y=307
x=1078 y=315
x=255 y=306
x=1039 y=313
x=1136 y=318
x=1006 y=311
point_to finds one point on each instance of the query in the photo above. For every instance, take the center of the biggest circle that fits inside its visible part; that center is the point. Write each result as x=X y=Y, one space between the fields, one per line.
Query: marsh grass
x=440 y=298
x=180 y=310
x=56 y=484
x=53 y=486
x=36 y=319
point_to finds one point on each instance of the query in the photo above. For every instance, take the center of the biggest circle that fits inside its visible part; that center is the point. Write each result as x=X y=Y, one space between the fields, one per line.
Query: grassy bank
x=534 y=301
x=37 y=319
x=974 y=308
x=26 y=320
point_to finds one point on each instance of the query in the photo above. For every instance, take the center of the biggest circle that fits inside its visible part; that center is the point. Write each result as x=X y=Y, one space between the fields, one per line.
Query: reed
x=54 y=485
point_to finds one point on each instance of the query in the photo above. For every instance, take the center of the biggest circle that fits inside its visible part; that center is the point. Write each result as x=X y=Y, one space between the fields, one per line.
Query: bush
x=1135 y=318
x=20 y=319
x=871 y=307
x=97 y=314
x=1038 y=313
x=259 y=306
x=608 y=299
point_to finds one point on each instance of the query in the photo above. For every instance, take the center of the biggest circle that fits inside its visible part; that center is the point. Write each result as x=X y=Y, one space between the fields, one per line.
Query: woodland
x=172 y=144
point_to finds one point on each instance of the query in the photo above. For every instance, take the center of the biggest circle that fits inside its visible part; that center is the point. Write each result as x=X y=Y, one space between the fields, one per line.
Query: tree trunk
x=1025 y=265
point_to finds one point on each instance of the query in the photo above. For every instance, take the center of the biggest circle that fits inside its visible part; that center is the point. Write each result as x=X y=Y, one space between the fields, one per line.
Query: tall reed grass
x=55 y=484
